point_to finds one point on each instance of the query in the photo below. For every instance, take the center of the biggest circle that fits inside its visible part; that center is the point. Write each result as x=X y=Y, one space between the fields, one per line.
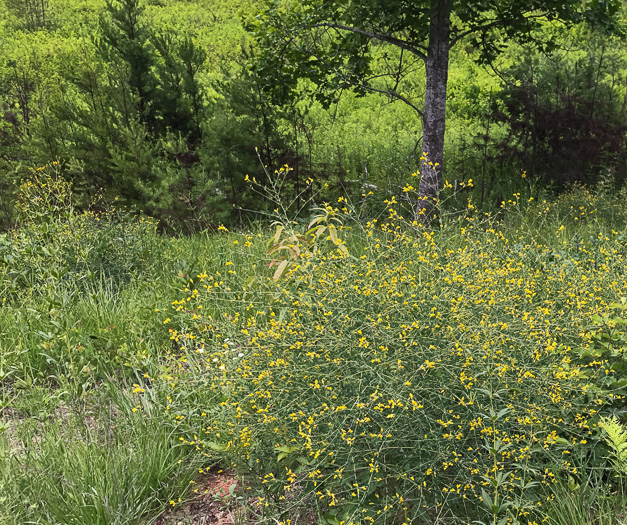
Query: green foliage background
x=165 y=113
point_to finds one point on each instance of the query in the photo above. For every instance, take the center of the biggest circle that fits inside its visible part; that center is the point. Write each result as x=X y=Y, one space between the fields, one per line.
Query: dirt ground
x=211 y=503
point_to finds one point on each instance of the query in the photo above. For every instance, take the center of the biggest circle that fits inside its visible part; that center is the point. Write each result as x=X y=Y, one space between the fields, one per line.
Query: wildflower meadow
x=341 y=369
x=314 y=262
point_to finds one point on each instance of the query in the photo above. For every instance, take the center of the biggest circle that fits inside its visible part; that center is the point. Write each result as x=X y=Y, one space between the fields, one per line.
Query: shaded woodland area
x=159 y=104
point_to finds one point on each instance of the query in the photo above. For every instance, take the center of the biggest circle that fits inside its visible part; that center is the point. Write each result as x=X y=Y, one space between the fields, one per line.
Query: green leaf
x=278 y=232
x=331 y=519
x=487 y=500
x=279 y=271
x=216 y=446
x=333 y=233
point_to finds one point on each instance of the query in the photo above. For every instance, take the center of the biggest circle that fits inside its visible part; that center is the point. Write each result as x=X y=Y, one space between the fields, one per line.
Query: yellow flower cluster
x=429 y=370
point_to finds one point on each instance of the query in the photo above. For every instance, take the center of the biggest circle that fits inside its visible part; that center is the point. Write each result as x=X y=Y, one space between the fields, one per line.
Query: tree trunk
x=434 y=119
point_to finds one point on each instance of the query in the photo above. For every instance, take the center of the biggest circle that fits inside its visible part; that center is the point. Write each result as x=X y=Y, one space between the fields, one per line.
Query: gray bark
x=434 y=119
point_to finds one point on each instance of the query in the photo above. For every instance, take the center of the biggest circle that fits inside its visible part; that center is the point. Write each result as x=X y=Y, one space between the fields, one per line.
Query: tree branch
x=403 y=44
x=400 y=69
x=390 y=92
x=495 y=23
x=475 y=30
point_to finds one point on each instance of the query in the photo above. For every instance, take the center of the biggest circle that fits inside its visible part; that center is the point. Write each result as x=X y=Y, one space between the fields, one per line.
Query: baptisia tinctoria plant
x=429 y=377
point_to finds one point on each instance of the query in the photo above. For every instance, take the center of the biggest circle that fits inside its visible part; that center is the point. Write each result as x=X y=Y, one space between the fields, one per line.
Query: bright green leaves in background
x=163 y=105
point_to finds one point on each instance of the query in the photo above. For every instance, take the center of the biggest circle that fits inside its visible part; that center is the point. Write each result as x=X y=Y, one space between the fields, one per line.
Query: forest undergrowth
x=346 y=369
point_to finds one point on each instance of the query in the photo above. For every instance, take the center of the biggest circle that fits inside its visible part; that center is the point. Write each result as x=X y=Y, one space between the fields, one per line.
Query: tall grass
x=78 y=328
x=118 y=470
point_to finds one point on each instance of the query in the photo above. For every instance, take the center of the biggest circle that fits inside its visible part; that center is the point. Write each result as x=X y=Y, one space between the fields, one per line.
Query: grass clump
x=586 y=504
x=77 y=307
x=112 y=469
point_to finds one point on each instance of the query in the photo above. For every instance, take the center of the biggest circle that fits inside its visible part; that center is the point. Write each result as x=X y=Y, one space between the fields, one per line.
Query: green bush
x=72 y=286
x=426 y=377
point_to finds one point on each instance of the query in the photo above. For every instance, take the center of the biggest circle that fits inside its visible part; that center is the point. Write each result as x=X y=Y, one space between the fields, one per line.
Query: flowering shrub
x=428 y=377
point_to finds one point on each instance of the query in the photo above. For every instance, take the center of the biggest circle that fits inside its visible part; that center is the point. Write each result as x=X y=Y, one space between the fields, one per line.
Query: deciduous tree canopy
x=334 y=43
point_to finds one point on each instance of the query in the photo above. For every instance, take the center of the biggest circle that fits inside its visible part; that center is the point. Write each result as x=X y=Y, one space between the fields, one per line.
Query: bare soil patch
x=210 y=503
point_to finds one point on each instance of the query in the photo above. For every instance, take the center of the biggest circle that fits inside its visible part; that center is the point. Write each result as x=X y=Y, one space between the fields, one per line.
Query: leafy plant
x=288 y=245
x=616 y=438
